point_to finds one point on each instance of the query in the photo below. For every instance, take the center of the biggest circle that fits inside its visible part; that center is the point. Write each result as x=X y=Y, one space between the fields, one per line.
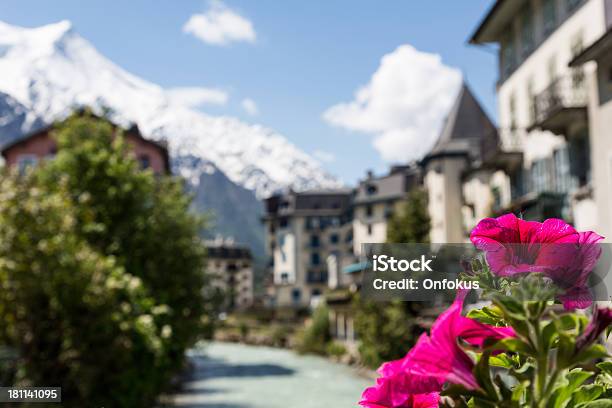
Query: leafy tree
x=386 y=328
x=101 y=271
x=412 y=223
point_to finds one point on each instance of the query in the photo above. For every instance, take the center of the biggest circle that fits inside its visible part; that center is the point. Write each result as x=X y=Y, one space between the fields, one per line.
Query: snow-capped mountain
x=47 y=71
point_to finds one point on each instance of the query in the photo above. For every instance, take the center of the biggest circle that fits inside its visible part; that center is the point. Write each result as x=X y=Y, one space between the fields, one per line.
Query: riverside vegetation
x=101 y=272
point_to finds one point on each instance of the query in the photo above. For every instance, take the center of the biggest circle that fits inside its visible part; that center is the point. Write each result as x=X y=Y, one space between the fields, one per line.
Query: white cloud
x=403 y=105
x=249 y=106
x=323 y=156
x=220 y=25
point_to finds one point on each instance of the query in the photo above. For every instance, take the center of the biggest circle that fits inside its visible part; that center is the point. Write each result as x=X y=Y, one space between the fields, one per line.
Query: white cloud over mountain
x=195 y=97
x=220 y=25
x=403 y=105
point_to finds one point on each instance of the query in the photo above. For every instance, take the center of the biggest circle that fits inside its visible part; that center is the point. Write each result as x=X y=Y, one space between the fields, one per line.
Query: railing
x=564 y=92
x=511 y=140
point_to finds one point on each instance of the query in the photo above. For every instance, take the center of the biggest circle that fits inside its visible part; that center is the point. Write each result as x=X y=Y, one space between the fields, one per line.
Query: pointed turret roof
x=467 y=129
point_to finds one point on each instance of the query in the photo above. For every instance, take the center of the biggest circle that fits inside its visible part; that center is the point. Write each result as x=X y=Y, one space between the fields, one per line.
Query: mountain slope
x=46 y=72
x=51 y=69
x=232 y=210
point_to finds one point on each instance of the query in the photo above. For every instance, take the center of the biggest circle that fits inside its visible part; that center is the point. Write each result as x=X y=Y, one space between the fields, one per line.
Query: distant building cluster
x=550 y=156
x=230 y=268
x=313 y=238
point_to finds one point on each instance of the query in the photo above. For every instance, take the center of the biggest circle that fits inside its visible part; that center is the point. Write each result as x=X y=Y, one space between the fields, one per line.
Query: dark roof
x=228 y=252
x=599 y=48
x=498 y=13
x=467 y=130
x=392 y=186
x=494 y=25
x=132 y=130
x=323 y=202
x=477 y=36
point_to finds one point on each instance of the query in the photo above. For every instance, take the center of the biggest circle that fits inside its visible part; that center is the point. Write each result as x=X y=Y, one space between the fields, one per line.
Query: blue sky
x=307 y=57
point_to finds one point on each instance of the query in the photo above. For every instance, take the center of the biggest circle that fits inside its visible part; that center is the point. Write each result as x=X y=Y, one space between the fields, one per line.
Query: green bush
x=316 y=335
x=280 y=335
x=335 y=349
x=101 y=271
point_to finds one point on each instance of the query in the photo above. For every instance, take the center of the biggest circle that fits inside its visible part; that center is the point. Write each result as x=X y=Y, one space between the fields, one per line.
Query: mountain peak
x=51 y=69
x=49 y=33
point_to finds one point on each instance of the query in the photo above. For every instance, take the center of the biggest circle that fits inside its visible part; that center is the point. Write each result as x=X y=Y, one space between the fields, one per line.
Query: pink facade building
x=40 y=144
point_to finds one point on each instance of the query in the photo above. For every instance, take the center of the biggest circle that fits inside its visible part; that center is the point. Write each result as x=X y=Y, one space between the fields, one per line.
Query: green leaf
x=565 y=352
x=604 y=403
x=593 y=352
x=491 y=315
x=605 y=366
x=549 y=335
x=482 y=371
x=586 y=393
x=503 y=360
x=515 y=345
x=574 y=379
x=519 y=390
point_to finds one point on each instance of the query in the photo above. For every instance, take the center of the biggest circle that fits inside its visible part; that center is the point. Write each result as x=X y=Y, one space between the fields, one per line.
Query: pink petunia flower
x=434 y=360
x=380 y=397
x=515 y=246
x=602 y=318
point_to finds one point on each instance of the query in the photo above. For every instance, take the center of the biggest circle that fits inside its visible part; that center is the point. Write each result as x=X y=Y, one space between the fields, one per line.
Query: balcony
x=561 y=104
x=537 y=206
x=506 y=151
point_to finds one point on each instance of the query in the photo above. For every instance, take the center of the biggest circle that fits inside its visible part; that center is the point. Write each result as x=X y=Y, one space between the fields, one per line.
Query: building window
x=315 y=258
x=550 y=16
x=497 y=198
x=531 y=101
x=144 y=161
x=314 y=241
x=371 y=189
x=369 y=229
x=52 y=153
x=540 y=176
x=296 y=294
x=284 y=277
x=527 y=31
x=579 y=160
x=512 y=106
x=24 y=161
x=316 y=292
x=563 y=180
x=577 y=72
x=334 y=239
x=369 y=210
x=283 y=223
